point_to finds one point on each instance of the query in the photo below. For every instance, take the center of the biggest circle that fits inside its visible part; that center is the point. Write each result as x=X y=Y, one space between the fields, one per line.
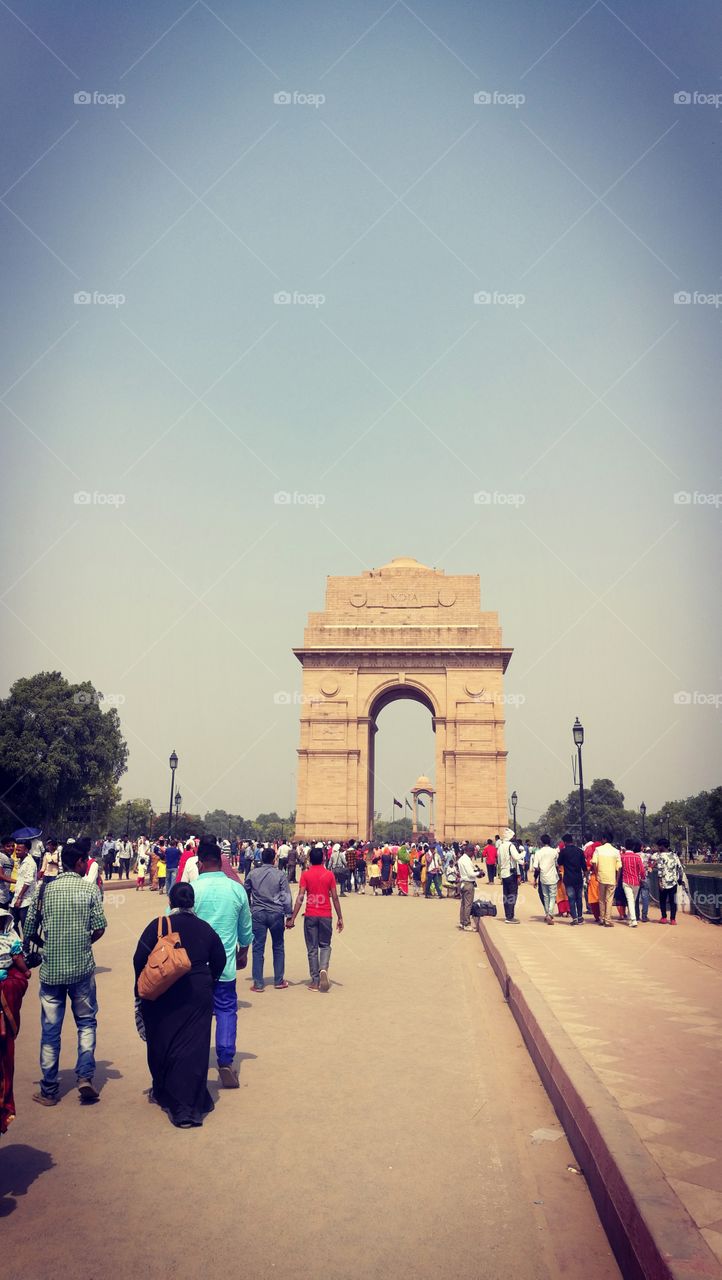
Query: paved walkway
x=643 y=1007
x=395 y=1126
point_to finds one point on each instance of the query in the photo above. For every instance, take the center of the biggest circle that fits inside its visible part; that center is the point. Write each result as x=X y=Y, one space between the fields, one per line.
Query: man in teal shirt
x=223 y=904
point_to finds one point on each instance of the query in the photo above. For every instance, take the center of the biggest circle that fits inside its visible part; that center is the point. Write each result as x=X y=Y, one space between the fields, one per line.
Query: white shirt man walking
x=546 y=875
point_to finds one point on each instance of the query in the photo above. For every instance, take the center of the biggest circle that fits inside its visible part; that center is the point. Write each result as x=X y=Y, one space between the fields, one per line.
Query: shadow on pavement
x=20 y=1165
x=104 y=1071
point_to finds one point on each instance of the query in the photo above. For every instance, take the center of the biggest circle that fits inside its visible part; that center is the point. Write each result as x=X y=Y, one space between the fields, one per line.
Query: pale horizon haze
x=298 y=257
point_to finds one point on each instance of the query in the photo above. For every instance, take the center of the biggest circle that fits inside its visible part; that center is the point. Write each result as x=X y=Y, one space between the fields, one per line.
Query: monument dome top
x=423 y=783
x=406 y=562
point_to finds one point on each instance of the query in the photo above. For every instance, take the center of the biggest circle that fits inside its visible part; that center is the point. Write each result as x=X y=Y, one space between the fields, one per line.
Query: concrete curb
x=649 y=1229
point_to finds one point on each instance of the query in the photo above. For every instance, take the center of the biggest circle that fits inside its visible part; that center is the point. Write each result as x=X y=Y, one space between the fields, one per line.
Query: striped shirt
x=632 y=868
x=72 y=910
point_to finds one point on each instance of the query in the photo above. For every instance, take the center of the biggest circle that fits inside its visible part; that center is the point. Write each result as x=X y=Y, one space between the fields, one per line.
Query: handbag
x=167 y=962
x=33 y=946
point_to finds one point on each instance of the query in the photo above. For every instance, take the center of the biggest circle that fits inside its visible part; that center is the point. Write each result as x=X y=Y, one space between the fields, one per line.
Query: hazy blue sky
x=581 y=386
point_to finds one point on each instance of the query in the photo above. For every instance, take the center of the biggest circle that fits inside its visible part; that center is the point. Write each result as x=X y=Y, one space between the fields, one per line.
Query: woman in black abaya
x=178 y=1023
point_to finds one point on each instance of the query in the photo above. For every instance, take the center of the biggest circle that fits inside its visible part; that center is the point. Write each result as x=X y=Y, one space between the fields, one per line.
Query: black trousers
x=510 y=885
x=668 y=898
x=491 y=868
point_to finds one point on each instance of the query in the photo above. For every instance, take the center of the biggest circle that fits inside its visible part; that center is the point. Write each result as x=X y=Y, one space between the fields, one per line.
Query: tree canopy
x=61 y=754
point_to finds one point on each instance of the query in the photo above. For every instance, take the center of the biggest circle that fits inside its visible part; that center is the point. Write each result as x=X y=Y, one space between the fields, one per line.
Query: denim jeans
x=643 y=902
x=272 y=922
x=170 y=878
x=433 y=882
x=318 y=931
x=84 y=1004
x=225 y=1007
x=548 y=897
x=576 y=900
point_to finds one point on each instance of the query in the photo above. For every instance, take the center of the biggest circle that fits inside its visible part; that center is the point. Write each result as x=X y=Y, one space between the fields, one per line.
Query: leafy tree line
x=62 y=755
x=604 y=810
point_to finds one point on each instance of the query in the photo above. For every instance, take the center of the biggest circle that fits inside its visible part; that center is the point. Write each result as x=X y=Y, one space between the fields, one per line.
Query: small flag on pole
x=420 y=803
x=408 y=806
x=397 y=804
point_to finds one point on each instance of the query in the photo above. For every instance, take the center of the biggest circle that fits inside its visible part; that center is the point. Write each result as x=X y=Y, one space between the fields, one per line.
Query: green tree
x=132 y=816
x=61 y=755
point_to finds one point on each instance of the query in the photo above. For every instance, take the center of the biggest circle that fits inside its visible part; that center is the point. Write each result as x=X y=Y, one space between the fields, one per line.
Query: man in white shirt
x=546 y=875
x=510 y=856
x=467 y=885
x=24 y=885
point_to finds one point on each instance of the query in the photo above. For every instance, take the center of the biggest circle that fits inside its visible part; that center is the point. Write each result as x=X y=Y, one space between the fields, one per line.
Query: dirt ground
x=394 y=1125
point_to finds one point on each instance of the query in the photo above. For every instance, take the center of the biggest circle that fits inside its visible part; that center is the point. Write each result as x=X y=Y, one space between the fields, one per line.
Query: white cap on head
x=508 y=833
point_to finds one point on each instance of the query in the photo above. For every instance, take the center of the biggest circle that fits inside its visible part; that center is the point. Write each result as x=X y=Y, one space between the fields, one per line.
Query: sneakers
x=663 y=920
x=46 y=1101
x=281 y=986
x=255 y=987
x=228 y=1077
x=312 y=986
x=88 y=1091
x=323 y=982
x=673 y=922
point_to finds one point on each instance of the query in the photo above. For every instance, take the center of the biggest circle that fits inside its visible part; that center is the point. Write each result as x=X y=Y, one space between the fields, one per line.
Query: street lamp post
x=643 y=811
x=514 y=798
x=578 y=735
x=173 y=762
x=669 y=838
x=177 y=803
x=127 y=820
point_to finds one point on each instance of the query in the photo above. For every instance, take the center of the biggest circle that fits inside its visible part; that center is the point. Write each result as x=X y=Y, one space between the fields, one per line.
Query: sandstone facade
x=402 y=631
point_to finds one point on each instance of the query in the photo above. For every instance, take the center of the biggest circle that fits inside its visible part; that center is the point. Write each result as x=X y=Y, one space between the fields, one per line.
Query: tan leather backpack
x=167 y=962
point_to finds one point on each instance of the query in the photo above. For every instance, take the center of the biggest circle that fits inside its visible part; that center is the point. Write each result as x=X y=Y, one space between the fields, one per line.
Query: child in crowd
x=140 y=870
x=161 y=875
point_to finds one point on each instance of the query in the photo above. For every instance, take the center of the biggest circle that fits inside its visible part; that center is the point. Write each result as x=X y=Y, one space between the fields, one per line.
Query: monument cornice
x=410 y=659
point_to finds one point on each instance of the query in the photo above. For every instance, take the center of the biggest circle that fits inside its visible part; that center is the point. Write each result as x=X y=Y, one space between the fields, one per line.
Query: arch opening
x=403 y=750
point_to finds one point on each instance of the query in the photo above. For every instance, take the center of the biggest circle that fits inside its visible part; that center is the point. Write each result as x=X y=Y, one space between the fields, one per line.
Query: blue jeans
x=170 y=878
x=576 y=900
x=272 y=922
x=84 y=1004
x=225 y=1007
x=548 y=897
x=433 y=882
x=643 y=902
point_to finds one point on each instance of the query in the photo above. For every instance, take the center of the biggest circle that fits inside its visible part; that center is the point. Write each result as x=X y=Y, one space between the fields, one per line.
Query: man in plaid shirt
x=72 y=919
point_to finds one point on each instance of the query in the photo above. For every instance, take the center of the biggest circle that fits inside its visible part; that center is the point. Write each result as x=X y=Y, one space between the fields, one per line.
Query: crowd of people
x=224 y=900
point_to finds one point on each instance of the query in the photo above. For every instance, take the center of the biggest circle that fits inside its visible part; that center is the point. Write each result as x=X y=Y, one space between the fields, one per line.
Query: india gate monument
x=402 y=631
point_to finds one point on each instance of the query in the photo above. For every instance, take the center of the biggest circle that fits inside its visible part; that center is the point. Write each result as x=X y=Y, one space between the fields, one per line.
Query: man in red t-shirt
x=491 y=857
x=318 y=886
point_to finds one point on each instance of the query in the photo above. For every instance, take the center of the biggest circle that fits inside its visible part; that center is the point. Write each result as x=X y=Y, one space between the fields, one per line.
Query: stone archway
x=407 y=631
